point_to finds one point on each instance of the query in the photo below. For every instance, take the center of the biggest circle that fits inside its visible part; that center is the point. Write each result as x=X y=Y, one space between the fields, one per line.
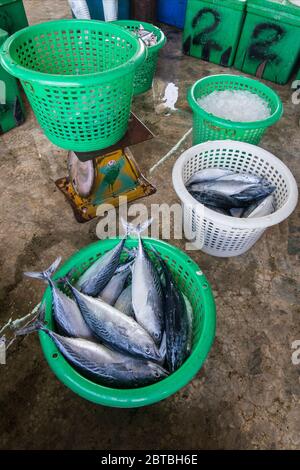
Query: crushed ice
x=235 y=105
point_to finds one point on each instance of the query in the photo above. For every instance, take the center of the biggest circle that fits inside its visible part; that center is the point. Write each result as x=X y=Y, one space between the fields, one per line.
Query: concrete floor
x=247 y=394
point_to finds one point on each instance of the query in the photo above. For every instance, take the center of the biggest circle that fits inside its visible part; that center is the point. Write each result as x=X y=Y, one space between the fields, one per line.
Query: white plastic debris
x=235 y=105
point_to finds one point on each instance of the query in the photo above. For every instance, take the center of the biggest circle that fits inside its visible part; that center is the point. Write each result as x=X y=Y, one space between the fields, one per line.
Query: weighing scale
x=101 y=177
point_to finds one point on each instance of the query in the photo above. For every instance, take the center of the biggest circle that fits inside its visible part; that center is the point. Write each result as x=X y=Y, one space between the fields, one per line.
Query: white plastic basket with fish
x=218 y=234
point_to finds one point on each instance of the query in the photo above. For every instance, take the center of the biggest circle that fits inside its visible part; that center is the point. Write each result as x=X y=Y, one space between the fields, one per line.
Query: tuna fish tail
x=124 y=267
x=47 y=274
x=65 y=280
x=127 y=226
x=131 y=253
x=131 y=229
x=36 y=325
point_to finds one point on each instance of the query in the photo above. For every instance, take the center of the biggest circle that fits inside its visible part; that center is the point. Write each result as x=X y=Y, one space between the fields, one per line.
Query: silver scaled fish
x=113 y=289
x=101 y=363
x=114 y=328
x=124 y=302
x=147 y=296
x=98 y=275
x=65 y=310
x=177 y=323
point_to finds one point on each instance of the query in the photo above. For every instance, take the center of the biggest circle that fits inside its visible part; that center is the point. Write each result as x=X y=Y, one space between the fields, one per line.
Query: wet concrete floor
x=247 y=394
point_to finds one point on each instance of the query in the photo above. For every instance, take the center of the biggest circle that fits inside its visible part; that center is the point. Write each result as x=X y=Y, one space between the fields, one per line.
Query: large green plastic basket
x=208 y=127
x=78 y=76
x=191 y=281
x=145 y=73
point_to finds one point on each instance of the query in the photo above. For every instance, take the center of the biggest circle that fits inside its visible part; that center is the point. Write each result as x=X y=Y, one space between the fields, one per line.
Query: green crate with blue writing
x=212 y=29
x=269 y=47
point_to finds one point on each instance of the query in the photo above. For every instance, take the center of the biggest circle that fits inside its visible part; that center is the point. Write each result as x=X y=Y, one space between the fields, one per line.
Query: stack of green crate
x=213 y=28
x=12 y=18
x=269 y=47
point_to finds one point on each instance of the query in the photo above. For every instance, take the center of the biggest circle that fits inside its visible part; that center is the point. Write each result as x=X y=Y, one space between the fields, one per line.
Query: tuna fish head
x=146 y=372
x=149 y=349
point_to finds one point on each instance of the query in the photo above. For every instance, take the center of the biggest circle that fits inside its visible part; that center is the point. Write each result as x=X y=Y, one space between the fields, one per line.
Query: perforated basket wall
x=193 y=284
x=78 y=76
x=145 y=73
x=217 y=234
x=208 y=127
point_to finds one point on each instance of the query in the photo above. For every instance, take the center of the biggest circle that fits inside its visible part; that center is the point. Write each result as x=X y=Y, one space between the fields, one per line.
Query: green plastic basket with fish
x=145 y=73
x=193 y=284
x=207 y=127
x=78 y=76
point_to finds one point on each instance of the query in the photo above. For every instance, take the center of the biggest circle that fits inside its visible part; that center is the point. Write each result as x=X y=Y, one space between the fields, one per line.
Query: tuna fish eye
x=156 y=373
x=147 y=350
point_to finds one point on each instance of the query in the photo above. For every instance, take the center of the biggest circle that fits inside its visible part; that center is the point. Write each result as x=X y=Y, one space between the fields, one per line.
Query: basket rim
x=275 y=116
x=251 y=223
x=58 y=80
x=130 y=398
x=161 y=37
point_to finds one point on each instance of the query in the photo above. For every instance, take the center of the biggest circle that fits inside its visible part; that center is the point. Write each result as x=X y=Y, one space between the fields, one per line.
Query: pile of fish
x=123 y=324
x=233 y=194
x=148 y=37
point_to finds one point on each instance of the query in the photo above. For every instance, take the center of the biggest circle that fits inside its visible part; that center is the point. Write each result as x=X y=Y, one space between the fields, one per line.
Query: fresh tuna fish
x=228 y=188
x=176 y=323
x=240 y=200
x=147 y=297
x=101 y=363
x=243 y=178
x=65 y=310
x=261 y=208
x=114 y=328
x=113 y=289
x=124 y=302
x=254 y=194
x=98 y=275
x=214 y=199
x=148 y=37
x=209 y=174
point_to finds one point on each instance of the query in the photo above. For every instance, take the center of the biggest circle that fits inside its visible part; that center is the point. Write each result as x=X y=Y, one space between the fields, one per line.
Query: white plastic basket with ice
x=218 y=234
